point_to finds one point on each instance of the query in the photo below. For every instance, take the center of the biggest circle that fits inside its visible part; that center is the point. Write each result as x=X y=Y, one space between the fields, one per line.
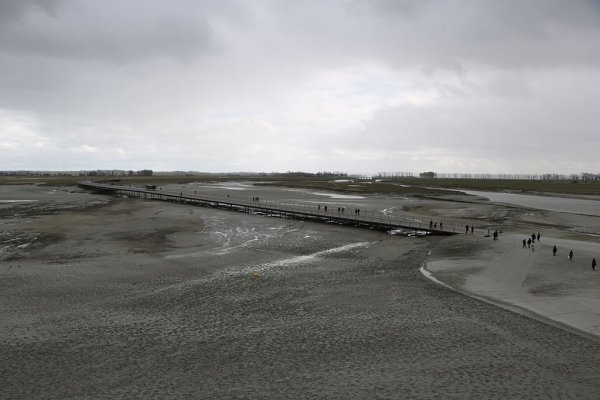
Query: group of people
x=340 y=210
x=434 y=225
x=530 y=243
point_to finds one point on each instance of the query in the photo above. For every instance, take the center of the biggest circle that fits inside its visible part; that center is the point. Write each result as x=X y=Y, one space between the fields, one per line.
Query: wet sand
x=530 y=280
x=125 y=298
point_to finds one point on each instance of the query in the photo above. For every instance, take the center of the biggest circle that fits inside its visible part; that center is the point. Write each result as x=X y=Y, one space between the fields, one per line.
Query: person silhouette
x=554 y=250
x=571 y=255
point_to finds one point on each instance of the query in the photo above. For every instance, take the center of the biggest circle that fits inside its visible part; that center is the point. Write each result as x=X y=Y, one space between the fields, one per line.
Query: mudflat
x=124 y=298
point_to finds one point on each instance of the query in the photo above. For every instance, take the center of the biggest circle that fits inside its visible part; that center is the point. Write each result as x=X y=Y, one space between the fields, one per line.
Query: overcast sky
x=360 y=86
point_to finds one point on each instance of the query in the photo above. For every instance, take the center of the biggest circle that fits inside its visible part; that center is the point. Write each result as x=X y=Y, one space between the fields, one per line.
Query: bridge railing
x=367 y=216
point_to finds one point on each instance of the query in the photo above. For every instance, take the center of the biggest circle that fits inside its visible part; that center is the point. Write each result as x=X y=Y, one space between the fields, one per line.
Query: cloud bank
x=361 y=87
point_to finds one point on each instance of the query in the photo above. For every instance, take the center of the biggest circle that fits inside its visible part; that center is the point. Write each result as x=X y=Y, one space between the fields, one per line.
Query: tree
x=428 y=174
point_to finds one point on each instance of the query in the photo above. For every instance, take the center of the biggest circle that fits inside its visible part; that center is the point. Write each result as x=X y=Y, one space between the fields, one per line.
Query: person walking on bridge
x=554 y=250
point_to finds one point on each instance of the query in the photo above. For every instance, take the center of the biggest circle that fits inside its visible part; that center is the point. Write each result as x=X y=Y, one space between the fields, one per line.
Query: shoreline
x=548 y=288
x=517 y=309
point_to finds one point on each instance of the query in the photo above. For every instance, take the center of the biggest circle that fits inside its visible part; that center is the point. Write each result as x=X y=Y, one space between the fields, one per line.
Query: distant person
x=533 y=238
x=571 y=255
x=435 y=225
x=593 y=264
x=472 y=229
x=524 y=243
x=538 y=237
x=466 y=229
x=325 y=208
x=529 y=242
x=495 y=235
x=441 y=226
x=430 y=224
x=554 y=250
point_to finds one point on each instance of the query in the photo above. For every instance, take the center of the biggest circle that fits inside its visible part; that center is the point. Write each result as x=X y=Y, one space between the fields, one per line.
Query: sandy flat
x=105 y=297
x=553 y=287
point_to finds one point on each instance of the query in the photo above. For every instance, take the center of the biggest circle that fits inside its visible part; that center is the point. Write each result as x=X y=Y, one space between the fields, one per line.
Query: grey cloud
x=122 y=33
x=15 y=11
x=451 y=33
x=512 y=78
x=431 y=33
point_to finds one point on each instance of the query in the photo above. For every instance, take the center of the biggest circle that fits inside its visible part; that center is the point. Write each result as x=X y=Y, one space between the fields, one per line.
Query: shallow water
x=546 y=202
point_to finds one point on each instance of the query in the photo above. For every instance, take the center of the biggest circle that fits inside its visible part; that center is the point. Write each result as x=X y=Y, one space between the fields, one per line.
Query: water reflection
x=549 y=203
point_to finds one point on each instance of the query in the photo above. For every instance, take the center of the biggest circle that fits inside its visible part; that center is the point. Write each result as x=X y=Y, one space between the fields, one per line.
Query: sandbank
x=529 y=280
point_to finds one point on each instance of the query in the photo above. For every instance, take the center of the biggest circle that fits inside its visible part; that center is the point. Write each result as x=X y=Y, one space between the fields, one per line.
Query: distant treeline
x=96 y=172
x=584 y=176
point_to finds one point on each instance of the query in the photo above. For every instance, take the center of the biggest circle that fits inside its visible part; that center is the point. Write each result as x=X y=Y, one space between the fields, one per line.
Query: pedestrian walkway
x=371 y=219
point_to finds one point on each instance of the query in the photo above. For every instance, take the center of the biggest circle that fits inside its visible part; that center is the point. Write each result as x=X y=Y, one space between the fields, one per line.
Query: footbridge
x=407 y=225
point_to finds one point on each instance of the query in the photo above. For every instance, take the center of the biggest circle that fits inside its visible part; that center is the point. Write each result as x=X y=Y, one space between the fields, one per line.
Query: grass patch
x=415 y=186
x=527 y=186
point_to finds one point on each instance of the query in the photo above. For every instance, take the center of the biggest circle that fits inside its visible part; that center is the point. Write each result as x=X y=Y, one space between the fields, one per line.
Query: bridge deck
x=366 y=218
